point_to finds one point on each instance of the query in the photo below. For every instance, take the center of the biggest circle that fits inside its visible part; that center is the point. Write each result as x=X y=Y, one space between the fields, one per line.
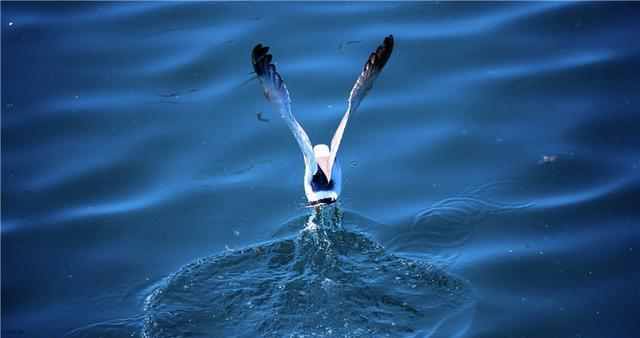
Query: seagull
x=322 y=175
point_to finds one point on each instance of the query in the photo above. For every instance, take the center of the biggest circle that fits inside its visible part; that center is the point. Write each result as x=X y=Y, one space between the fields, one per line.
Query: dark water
x=491 y=178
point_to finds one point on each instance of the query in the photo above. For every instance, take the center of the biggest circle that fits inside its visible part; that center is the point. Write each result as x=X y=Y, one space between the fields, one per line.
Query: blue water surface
x=491 y=178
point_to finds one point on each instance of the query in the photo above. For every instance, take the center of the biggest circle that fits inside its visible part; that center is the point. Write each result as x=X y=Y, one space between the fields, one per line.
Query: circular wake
x=324 y=281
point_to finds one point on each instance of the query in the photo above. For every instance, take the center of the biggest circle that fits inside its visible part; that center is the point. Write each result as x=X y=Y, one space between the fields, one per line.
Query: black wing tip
x=385 y=50
x=259 y=50
x=379 y=58
x=263 y=67
x=388 y=41
x=260 y=59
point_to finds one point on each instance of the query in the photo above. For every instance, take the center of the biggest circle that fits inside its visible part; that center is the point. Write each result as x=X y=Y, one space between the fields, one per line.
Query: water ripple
x=130 y=143
x=459 y=27
x=452 y=221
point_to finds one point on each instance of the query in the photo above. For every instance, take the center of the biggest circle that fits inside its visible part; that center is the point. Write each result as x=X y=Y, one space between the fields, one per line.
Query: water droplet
x=237 y=233
x=354 y=163
x=10 y=23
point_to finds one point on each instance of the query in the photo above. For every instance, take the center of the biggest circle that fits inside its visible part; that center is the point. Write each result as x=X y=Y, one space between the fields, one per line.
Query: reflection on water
x=326 y=281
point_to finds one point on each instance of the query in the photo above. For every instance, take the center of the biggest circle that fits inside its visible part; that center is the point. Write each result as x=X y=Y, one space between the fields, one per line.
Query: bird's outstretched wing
x=372 y=69
x=276 y=92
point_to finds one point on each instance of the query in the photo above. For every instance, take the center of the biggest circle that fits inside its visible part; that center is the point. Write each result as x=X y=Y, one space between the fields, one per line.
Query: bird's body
x=323 y=176
x=318 y=189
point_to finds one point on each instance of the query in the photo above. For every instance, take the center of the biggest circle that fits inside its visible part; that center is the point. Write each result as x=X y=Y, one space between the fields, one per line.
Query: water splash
x=324 y=281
